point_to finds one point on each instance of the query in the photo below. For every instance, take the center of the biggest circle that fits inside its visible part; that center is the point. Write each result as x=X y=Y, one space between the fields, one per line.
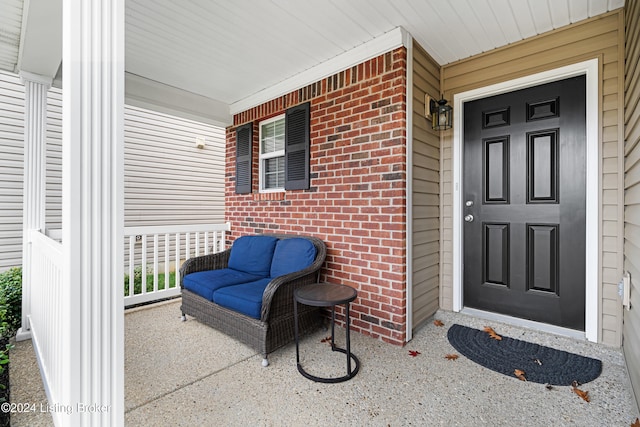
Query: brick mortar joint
x=269 y=197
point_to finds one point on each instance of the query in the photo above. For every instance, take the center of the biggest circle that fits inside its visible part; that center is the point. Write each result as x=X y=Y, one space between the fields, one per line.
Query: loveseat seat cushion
x=292 y=255
x=205 y=283
x=252 y=254
x=245 y=298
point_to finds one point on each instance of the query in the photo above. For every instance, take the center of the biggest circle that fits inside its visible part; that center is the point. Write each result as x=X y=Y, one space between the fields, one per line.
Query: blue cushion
x=252 y=254
x=292 y=255
x=205 y=283
x=245 y=298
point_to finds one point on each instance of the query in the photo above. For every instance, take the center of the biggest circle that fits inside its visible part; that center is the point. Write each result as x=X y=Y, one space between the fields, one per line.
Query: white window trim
x=262 y=157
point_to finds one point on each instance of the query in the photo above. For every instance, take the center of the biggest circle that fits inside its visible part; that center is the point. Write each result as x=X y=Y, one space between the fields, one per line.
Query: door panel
x=542 y=166
x=496 y=170
x=524 y=189
x=496 y=251
x=542 y=258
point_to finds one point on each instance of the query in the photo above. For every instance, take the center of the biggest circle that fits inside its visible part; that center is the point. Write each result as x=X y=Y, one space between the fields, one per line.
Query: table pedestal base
x=327 y=295
x=333 y=380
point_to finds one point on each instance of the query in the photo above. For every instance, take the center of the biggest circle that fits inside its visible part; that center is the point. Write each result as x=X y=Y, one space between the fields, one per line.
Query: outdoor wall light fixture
x=439 y=112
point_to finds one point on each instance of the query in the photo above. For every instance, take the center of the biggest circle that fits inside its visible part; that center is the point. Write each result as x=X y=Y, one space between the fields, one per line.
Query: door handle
x=468 y=218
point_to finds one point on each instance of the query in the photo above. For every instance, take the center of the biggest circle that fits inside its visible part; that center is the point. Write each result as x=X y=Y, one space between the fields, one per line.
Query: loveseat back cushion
x=245 y=298
x=205 y=283
x=252 y=254
x=291 y=255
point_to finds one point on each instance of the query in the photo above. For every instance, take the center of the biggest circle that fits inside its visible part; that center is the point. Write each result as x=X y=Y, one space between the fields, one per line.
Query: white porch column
x=93 y=206
x=33 y=216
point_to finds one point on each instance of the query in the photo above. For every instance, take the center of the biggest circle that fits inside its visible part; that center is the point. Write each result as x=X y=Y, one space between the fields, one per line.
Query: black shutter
x=244 y=139
x=296 y=148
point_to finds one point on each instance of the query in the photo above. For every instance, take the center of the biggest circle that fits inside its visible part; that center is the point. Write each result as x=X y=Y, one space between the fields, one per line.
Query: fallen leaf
x=520 y=374
x=327 y=340
x=413 y=353
x=438 y=322
x=548 y=386
x=451 y=356
x=637 y=423
x=492 y=333
x=584 y=395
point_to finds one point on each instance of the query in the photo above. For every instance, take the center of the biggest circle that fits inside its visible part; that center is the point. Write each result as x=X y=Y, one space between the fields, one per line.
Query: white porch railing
x=156 y=251
x=155 y=254
x=49 y=314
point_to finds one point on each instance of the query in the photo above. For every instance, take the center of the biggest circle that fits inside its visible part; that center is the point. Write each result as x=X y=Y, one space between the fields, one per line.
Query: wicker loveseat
x=247 y=291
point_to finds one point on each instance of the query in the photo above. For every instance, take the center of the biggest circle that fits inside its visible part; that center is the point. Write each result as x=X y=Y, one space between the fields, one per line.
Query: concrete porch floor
x=187 y=374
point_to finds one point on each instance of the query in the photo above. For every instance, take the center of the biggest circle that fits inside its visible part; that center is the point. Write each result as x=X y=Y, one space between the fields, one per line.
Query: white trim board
x=589 y=68
x=145 y=93
x=377 y=46
x=409 y=186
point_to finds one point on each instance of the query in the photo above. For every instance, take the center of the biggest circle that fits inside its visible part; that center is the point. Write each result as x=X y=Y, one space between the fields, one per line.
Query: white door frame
x=589 y=68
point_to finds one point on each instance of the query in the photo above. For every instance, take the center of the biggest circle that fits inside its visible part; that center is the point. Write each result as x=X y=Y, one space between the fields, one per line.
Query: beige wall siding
x=601 y=38
x=631 y=343
x=426 y=189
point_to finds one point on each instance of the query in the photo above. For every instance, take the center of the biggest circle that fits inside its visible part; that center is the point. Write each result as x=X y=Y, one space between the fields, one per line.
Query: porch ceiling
x=229 y=51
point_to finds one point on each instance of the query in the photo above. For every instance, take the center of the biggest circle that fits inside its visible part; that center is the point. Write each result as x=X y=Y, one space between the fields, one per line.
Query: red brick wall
x=357 y=199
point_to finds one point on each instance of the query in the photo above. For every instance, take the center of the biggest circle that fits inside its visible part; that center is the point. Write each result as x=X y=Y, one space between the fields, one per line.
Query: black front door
x=524 y=203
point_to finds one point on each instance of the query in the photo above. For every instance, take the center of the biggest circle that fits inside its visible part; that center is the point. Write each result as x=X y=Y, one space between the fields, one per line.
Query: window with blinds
x=272 y=164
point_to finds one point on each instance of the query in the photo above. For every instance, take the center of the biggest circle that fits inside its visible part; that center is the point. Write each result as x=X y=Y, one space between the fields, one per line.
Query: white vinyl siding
x=54 y=160
x=168 y=180
x=11 y=166
x=11 y=171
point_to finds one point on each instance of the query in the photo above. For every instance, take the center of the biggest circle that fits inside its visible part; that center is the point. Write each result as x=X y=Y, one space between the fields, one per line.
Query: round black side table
x=325 y=295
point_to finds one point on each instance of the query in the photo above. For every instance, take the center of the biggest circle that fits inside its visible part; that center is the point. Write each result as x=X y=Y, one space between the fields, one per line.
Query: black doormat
x=541 y=364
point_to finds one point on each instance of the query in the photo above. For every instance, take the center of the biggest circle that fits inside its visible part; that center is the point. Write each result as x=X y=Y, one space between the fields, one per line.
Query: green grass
x=137 y=282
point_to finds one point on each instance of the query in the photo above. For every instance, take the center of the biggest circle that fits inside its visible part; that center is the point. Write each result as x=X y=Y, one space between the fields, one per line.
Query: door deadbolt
x=468 y=218
x=468 y=203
